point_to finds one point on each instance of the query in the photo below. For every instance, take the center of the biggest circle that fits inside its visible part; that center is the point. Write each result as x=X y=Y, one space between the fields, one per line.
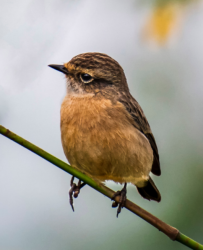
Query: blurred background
x=159 y=44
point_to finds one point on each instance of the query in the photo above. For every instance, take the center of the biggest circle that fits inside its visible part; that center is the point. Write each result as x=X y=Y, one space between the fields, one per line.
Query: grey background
x=166 y=80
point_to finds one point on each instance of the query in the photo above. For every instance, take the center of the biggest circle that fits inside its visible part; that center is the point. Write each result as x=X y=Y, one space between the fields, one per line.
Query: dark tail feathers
x=150 y=191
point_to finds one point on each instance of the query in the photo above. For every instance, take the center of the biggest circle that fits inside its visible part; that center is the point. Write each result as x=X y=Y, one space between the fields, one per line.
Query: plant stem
x=188 y=241
x=170 y=231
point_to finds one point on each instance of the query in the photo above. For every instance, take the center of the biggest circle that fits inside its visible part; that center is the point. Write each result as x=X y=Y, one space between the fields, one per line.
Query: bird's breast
x=99 y=138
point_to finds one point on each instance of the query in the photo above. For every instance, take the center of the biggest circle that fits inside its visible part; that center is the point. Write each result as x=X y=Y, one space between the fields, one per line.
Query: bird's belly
x=99 y=139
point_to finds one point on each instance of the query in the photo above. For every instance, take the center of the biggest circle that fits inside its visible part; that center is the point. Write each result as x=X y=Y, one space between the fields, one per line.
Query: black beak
x=60 y=68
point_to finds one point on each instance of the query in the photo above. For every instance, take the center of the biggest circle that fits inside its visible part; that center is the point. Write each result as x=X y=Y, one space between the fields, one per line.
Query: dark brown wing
x=156 y=164
x=141 y=123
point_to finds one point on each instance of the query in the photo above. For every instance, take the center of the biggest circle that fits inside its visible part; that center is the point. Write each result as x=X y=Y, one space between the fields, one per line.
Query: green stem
x=170 y=231
x=188 y=242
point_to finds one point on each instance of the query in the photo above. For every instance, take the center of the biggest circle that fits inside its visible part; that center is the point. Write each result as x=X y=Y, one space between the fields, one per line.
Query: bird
x=104 y=131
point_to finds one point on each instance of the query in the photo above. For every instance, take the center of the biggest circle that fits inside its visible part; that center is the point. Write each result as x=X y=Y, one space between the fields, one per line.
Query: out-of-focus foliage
x=165 y=19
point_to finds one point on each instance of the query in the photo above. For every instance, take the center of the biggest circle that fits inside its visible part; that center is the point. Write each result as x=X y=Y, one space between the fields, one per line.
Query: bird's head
x=93 y=73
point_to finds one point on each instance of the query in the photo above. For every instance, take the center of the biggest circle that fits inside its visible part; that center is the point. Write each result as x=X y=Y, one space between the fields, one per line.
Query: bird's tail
x=150 y=191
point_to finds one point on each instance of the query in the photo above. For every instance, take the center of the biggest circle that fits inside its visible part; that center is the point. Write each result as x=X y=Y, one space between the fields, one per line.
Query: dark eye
x=86 y=78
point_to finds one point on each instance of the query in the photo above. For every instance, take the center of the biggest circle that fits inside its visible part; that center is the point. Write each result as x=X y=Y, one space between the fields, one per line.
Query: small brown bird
x=104 y=131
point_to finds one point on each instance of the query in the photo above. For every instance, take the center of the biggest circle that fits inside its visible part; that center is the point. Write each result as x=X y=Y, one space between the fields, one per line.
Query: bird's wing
x=141 y=123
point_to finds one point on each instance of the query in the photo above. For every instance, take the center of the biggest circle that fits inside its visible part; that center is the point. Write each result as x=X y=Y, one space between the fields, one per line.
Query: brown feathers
x=99 y=139
x=141 y=123
x=150 y=191
x=103 y=128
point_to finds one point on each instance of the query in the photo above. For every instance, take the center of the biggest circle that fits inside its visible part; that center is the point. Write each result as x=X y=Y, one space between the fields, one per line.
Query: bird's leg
x=122 y=199
x=74 y=190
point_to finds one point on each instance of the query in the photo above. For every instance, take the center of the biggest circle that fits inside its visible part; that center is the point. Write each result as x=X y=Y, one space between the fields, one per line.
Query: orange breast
x=99 y=139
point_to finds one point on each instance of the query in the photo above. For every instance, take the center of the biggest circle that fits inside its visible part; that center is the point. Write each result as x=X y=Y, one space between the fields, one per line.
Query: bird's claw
x=122 y=199
x=74 y=191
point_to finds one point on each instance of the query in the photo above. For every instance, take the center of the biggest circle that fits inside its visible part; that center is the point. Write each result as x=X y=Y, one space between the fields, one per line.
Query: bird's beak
x=60 y=68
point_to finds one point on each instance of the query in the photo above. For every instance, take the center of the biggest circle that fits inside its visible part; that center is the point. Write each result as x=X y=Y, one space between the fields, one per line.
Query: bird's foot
x=122 y=199
x=74 y=190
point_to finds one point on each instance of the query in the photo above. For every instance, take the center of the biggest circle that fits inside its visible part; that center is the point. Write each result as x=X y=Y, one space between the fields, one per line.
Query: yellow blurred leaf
x=163 y=21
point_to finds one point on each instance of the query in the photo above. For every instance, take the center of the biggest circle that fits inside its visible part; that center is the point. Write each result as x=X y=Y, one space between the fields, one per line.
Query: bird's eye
x=86 y=78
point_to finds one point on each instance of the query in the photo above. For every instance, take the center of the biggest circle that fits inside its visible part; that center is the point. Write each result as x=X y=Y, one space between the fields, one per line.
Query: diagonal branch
x=170 y=231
